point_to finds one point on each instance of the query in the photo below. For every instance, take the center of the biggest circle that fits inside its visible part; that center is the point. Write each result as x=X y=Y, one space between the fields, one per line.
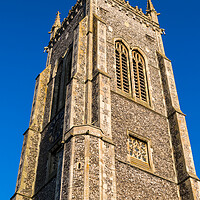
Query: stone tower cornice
x=131 y=11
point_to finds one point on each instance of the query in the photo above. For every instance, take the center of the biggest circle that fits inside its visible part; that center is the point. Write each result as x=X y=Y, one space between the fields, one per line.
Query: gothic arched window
x=122 y=67
x=62 y=78
x=58 y=89
x=139 y=76
x=68 y=69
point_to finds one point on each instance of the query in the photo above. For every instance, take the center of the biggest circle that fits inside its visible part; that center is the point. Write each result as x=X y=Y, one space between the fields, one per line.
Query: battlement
x=122 y=5
x=136 y=13
x=66 y=22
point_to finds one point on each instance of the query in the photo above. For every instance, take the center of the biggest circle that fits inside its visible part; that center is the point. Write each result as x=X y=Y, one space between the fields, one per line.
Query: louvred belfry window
x=139 y=76
x=122 y=67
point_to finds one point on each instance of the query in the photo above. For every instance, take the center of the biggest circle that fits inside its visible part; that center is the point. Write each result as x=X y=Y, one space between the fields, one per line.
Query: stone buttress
x=186 y=175
x=30 y=149
x=90 y=173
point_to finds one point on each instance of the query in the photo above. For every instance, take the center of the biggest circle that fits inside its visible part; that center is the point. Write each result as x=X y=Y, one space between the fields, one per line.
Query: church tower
x=106 y=122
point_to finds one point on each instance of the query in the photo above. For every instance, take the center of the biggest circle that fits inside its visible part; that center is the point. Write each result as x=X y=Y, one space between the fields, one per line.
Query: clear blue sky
x=24 y=33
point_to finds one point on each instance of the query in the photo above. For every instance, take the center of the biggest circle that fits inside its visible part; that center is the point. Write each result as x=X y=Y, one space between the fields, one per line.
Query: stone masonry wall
x=50 y=137
x=45 y=187
x=30 y=152
x=136 y=35
x=186 y=174
x=88 y=170
x=134 y=184
x=59 y=50
x=127 y=114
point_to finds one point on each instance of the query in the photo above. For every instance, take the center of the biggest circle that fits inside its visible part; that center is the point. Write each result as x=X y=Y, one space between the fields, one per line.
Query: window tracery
x=124 y=72
x=68 y=69
x=138 y=149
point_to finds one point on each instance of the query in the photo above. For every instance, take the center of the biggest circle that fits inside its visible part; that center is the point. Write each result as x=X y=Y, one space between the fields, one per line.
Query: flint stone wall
x=49 y=138
x=129 y=115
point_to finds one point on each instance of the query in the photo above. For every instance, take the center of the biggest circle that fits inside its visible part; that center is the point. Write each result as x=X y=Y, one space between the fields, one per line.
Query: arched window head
x=68 y=69
x=139 y=76
x=62 y=78
x=122 y=67
x=68 y=66
x=58 y=88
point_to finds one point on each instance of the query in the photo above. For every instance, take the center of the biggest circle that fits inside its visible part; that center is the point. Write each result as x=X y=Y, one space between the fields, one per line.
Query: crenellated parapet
x=136 y=13
x=122 y=5
x=66 y=22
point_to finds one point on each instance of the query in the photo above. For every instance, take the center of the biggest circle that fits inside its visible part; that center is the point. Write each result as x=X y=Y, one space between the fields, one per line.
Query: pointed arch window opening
x=139 y=76
x=68 y=66
x=62 y=79
x=58 y=88
x=138 y=70
x=68 y=71
x=122 y=67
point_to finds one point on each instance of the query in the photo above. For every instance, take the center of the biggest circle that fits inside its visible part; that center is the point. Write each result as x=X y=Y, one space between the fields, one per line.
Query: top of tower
x=58 y=27
x=150 y=17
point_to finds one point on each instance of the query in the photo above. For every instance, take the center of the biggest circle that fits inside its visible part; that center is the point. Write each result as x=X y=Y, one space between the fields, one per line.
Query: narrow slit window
x=122 y=67
x=140 y=76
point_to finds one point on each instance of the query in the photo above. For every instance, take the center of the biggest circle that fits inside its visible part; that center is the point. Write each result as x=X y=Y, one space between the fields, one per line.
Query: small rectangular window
x=53 y=162
x=139 y=153
x=138 y=149
x=54 y=167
